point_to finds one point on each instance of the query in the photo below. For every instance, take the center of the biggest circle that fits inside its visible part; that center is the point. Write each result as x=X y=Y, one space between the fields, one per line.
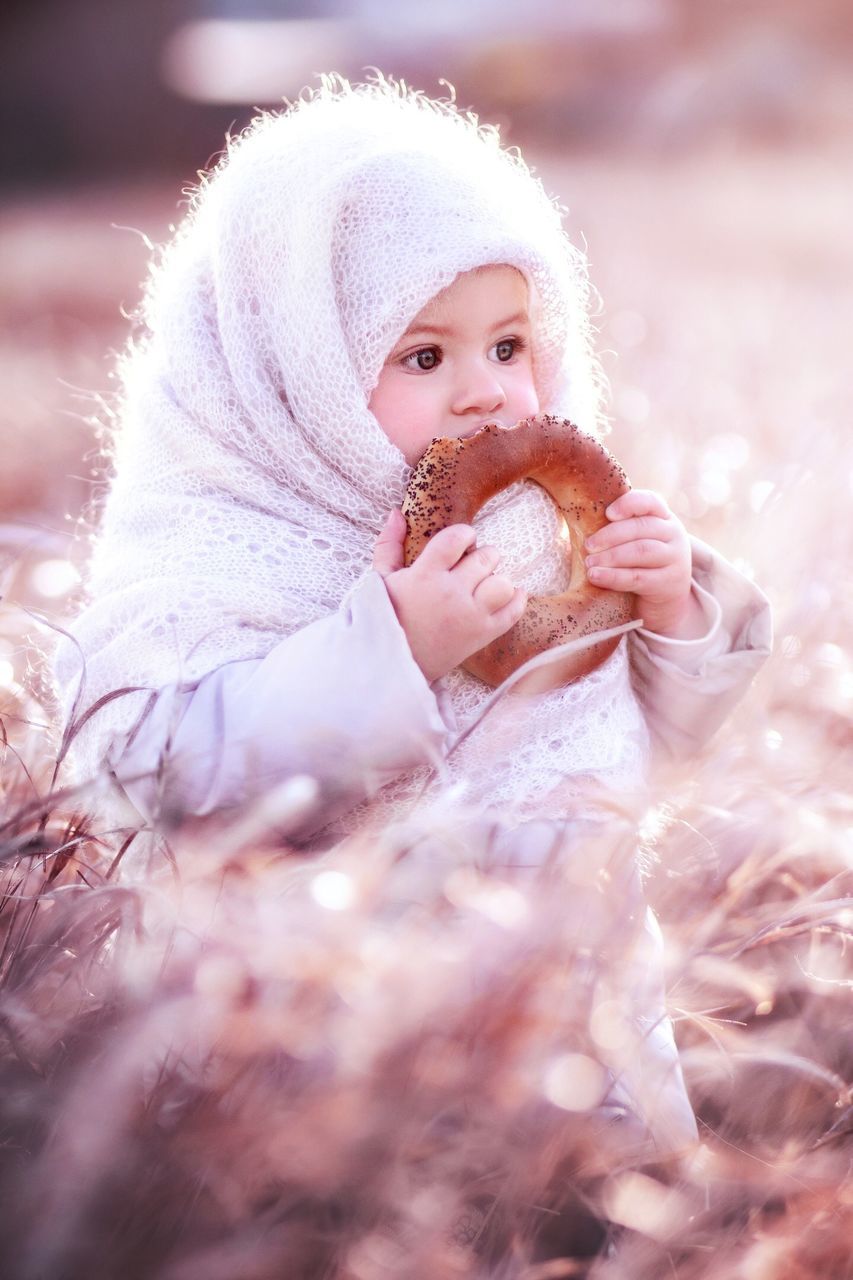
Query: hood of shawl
x=302 y=297
x=250 y=476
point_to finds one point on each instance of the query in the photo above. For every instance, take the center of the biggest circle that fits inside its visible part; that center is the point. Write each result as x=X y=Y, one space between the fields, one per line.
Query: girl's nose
x=479 y=390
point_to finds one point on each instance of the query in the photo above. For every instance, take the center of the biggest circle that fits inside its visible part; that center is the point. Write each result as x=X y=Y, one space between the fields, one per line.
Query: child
x=362 y=273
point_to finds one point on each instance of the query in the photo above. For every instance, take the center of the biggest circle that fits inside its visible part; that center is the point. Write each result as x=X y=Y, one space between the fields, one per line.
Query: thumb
x=388 y=552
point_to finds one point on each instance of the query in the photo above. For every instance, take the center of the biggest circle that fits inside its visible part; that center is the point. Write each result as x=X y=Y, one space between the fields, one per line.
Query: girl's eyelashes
x=507 y=348
x=425 y=359
x=422 y=360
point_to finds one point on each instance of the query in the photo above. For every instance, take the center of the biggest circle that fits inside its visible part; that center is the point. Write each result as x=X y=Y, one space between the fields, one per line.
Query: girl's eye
x=426 y=359
x=506 y=349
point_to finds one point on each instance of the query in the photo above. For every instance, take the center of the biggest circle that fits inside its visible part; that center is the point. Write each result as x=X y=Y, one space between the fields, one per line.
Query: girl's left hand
x=645 y=549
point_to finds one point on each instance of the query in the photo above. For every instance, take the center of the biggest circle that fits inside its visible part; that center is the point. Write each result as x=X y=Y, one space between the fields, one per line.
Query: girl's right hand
x=450 y=602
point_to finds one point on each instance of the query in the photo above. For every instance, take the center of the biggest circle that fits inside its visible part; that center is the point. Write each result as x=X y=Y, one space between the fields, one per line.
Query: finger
x=447 y=547
x=494 y=592
x=388 y=552
x=642 y=553
x=637 y=502
x=478 y=564
x=630 y=529
x=508 y=616
x=654 y=583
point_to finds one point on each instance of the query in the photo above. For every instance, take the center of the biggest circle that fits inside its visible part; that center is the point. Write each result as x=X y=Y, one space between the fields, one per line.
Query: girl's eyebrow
x=518 y=317
x=442 y=331
x=436 y=330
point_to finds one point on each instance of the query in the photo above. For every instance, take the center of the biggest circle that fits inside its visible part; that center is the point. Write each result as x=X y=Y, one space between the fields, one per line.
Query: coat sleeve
x=687 y=688
x=341 y=701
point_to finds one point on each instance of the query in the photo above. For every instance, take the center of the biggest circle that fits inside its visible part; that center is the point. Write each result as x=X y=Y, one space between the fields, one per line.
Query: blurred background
x=703 y=150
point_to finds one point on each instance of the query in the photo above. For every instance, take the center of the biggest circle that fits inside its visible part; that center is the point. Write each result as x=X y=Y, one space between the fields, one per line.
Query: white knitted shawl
x=251 y=479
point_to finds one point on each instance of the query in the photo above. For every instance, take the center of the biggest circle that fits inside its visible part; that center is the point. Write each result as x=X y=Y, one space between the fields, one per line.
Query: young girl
x=362 y=273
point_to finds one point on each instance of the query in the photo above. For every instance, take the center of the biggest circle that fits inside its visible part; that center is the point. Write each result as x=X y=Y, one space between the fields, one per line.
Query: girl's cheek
x=529 y=398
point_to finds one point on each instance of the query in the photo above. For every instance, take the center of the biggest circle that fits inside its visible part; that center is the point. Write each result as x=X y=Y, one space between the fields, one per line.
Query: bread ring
x=454 y=478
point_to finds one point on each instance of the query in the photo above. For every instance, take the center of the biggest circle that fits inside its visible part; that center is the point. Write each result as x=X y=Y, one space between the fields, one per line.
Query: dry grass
x=224 y=1076
x=259 y=1066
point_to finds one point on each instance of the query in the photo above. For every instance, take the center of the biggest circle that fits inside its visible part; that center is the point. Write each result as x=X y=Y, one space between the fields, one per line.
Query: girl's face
x=465 y=360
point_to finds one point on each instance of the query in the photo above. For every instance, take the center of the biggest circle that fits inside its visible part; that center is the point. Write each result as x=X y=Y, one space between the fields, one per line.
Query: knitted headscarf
x=251 y=479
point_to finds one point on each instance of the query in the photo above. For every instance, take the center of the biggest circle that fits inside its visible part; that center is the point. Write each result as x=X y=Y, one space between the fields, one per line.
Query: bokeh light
x=703 y=154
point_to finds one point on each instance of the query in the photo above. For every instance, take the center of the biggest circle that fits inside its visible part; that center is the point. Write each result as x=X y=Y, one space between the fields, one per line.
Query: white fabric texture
x=703 y=683
x=341 y=701
x=251 y=479
x=358 y=711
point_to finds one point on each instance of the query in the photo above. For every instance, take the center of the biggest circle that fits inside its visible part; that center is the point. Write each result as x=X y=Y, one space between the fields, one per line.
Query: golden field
x=233 y=1074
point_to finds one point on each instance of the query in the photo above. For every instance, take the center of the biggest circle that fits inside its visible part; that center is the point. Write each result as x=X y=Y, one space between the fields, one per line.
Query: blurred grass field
x=726 y=281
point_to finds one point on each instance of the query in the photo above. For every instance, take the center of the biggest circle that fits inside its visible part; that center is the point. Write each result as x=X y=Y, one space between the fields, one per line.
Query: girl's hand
x=450 y=602
x=645 y=549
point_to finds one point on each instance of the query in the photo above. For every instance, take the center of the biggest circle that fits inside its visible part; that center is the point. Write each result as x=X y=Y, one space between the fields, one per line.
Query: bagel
x=453 y=480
